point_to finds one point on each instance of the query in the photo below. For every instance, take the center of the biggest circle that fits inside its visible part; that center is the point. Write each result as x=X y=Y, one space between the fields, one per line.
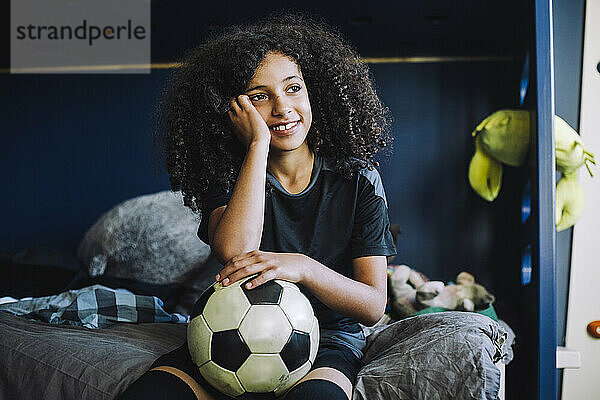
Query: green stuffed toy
x=505 y=137
x=570 y=155
x=485 y=173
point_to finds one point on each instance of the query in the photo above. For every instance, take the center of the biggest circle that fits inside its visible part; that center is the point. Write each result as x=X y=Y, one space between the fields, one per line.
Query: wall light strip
x=368 y=60
x=441 y=59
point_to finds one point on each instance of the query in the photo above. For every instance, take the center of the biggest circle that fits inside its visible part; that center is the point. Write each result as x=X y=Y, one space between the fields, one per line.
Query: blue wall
x=74 y=146
x=446 y=226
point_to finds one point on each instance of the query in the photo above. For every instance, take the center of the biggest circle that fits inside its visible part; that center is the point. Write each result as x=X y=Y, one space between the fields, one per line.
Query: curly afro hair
x=350 y=123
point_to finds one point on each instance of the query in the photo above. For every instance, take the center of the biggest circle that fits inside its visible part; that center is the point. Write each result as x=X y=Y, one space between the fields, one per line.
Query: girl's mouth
x=284 y=129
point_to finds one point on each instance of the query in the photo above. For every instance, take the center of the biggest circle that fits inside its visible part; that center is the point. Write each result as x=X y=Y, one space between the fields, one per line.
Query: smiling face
x=278 y=92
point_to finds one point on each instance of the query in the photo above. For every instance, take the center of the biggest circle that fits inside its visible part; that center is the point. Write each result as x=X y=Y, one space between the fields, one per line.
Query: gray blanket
x=44 y=361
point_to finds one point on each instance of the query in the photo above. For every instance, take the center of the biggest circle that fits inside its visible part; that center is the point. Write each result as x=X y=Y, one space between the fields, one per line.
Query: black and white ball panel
x=297 y=308
x=296 y=351
x=201 y=302
x=221 y=378
x=225 y=309
x=267 y=293
x=262 y=372
x=265 y=329
x=200 y=347
x=228 y=349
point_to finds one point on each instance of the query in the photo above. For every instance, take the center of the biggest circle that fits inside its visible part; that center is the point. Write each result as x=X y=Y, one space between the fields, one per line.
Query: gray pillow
x=150 y=238
x=438 y=356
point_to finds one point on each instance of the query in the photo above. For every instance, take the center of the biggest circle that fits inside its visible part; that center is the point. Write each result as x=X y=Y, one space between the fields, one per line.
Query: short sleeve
x=213 y=201
x=371 y=234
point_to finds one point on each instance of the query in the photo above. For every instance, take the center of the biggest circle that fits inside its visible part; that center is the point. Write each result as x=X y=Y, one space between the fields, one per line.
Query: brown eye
x=294 y=88
x=257 y=97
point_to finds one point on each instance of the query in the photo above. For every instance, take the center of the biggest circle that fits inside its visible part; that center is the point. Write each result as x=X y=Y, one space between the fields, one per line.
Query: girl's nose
x=281 y=106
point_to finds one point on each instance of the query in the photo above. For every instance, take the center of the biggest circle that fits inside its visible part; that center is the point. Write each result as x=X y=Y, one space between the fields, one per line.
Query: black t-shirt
x=332 y=221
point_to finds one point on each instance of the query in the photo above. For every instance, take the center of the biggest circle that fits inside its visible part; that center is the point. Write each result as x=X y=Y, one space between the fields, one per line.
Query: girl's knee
x=316 y=389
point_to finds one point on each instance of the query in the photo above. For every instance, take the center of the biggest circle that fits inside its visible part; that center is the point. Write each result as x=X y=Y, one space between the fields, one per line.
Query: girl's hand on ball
x=248 y=124
x=285 y=266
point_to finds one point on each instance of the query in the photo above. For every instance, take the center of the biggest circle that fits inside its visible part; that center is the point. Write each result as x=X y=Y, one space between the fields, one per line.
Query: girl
x=270 y=131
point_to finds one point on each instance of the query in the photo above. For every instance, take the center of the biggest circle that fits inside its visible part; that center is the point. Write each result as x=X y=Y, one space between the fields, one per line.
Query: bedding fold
x=94 y=307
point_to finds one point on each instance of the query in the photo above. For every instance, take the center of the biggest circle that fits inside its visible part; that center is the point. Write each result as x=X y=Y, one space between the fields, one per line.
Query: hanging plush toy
x=485 y=173
x=570 y=155
x=504 y=138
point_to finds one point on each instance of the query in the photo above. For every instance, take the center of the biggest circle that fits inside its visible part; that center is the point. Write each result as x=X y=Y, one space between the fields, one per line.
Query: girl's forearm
x=344 y=295
x=240 y=227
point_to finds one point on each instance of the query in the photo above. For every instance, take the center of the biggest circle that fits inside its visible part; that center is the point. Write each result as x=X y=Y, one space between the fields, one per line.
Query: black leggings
x=164 y=385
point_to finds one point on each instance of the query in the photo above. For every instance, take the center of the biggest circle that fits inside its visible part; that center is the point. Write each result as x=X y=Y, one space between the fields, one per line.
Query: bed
x=446 y=355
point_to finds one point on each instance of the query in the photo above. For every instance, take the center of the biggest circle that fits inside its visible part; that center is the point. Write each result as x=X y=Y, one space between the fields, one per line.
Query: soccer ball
x=261 y=340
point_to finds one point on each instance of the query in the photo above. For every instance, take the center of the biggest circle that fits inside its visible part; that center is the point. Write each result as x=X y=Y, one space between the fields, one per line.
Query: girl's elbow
x=227 y=245
x=376 y=312
x=374 y=316
x=225 y=252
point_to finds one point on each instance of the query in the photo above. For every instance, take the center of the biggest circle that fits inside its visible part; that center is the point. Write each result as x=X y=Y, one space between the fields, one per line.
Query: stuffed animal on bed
x=403 y=282
x=411 y=292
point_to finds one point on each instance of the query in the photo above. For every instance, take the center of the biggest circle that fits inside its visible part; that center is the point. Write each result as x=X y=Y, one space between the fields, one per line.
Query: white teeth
x=284 y=127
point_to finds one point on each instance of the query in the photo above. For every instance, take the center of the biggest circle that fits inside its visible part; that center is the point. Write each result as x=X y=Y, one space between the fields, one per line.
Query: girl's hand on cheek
x=248 y=124
x=286 y=266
